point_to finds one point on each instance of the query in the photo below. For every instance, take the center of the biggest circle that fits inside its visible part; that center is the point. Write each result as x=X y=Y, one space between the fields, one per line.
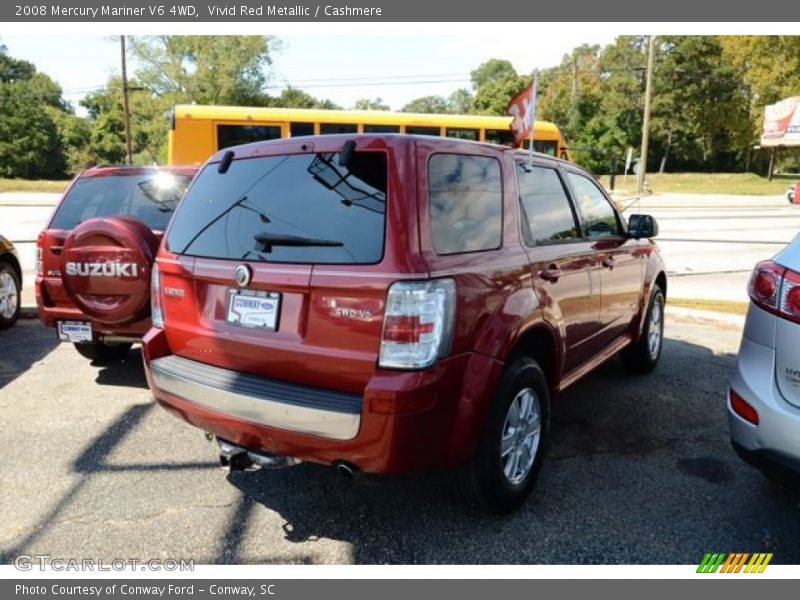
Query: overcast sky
x=343 y=68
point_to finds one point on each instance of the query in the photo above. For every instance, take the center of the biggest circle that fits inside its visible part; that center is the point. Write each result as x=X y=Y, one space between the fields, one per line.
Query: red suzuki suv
x=388 y=302
x=94 y=257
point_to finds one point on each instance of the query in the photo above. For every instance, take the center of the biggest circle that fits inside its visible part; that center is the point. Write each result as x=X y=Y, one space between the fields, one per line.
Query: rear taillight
x=776 y=289
x=418 y=323
x=157 y=314
x=742 y=408
x=790 y=296
x=39 y=265
x=765 y=285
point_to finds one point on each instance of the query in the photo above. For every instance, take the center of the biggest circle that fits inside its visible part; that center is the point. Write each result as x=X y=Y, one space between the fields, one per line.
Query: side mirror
x=642 y=226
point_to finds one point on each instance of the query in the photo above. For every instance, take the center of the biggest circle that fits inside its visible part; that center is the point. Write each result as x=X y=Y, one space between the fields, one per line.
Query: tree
x=459 y=102
x=367 y=104
x=107 y=129
x=427 y=104
x=211 y=69
x=29 y=137
x=292 y=97
x=495 y=83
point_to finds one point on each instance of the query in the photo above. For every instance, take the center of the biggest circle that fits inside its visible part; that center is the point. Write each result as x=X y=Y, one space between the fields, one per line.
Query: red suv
x=387 y=302
x=94 y=257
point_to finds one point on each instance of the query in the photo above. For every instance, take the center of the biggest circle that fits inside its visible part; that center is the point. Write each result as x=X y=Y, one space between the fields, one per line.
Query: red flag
x=523 y=110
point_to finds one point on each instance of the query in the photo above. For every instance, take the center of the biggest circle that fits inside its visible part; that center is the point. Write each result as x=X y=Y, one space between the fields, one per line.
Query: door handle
x=608 y=262
x=551 y=273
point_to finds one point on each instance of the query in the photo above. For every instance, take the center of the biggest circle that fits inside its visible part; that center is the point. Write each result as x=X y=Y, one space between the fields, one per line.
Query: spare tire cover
x=106 y=265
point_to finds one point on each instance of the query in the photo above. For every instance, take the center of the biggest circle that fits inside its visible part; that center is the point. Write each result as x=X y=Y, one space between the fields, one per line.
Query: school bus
x=196 y=132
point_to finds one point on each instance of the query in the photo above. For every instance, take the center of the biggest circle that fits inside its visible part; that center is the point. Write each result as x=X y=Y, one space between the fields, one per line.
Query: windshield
x=149 y=197
x=301 y=208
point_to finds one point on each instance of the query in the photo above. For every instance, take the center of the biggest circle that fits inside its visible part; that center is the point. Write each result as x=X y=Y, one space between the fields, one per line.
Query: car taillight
x=418 y=323
x=742 y=408
x=765 y=285
x=39 y=264
x=157 y=314
x=776 y=289
x=790 y=296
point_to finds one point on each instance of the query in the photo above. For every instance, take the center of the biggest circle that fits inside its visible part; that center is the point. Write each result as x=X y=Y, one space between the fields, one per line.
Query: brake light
x=418 y=323
x=765 y=285
x=790 y=296
x=155 y=298
x=39 y=264
x=742 y=408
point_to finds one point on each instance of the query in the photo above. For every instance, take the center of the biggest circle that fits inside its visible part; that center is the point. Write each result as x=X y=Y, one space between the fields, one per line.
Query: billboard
x=782 y=123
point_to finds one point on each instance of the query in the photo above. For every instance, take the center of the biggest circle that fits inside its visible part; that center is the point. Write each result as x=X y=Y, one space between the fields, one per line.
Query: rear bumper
x=403 y=421
x=50 y=313
x=776 y=438
x=776 y=465
x=260 y=401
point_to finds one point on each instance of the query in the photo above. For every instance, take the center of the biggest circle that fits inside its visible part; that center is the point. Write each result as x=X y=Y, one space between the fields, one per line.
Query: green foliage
x=427 y=104
x=292 y=97
x=459 y=102
x=495 y=83
x=367 y=104
x=30 y=103
x=206 y=69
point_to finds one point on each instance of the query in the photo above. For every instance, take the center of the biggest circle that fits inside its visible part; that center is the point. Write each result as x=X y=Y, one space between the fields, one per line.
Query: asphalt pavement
x=639 y=470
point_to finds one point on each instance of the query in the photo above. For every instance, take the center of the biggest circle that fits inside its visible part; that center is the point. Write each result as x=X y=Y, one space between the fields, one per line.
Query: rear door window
x=301 y=208
x=547 y=211
x=150 y=197
x=465 y=202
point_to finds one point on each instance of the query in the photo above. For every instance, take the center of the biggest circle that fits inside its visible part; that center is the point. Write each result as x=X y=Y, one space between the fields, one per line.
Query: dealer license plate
x=253 y=308
x=74 y=331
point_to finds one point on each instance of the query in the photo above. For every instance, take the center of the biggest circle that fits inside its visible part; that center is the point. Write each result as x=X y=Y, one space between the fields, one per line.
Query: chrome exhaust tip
x=346 y=470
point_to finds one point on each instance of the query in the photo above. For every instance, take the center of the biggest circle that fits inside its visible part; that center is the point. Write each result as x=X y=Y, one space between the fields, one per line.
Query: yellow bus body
x=196 y=131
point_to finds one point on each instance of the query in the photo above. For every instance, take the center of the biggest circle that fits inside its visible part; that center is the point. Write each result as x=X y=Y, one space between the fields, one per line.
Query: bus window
x=421 y=130
x=333 y=128
x=503 y=137
x=463 y=134
x=299 y=129
x=381 y=128
x=233 y=135
x=544 y=146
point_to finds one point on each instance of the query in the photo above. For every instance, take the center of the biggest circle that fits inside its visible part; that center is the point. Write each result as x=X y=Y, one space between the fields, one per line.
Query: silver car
x=764 y=396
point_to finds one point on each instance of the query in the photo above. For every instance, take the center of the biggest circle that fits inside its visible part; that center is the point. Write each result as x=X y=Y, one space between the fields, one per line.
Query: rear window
x=301 y=208
x=149 y=197
x=466 y=203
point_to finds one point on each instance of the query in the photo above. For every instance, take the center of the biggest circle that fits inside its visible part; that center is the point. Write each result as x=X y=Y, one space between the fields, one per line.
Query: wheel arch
x=539 y=342
x=12 y=261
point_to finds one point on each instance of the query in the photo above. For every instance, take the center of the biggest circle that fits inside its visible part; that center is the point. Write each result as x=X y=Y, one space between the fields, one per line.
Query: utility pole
x=646 y=122
x=125 y=107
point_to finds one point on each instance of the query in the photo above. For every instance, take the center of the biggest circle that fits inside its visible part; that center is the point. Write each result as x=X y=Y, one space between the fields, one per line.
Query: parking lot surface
x=639 y=470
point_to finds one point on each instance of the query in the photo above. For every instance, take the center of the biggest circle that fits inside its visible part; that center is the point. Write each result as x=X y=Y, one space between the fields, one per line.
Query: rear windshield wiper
x=268 y=240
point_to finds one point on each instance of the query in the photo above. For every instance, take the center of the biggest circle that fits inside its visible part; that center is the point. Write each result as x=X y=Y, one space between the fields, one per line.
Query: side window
x=599 y=218
x=233 y=135
x=546 y=207
x=465 y=203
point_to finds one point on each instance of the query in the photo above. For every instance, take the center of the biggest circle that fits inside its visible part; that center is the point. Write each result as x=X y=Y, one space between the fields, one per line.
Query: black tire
x=640 y=357
x=7 y=273
x=103 y=353
x=483 y=482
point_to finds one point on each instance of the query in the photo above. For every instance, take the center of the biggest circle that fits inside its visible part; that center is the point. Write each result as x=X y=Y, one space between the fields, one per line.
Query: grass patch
x=32 y=185
x=732 y=307
x=746 y=184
